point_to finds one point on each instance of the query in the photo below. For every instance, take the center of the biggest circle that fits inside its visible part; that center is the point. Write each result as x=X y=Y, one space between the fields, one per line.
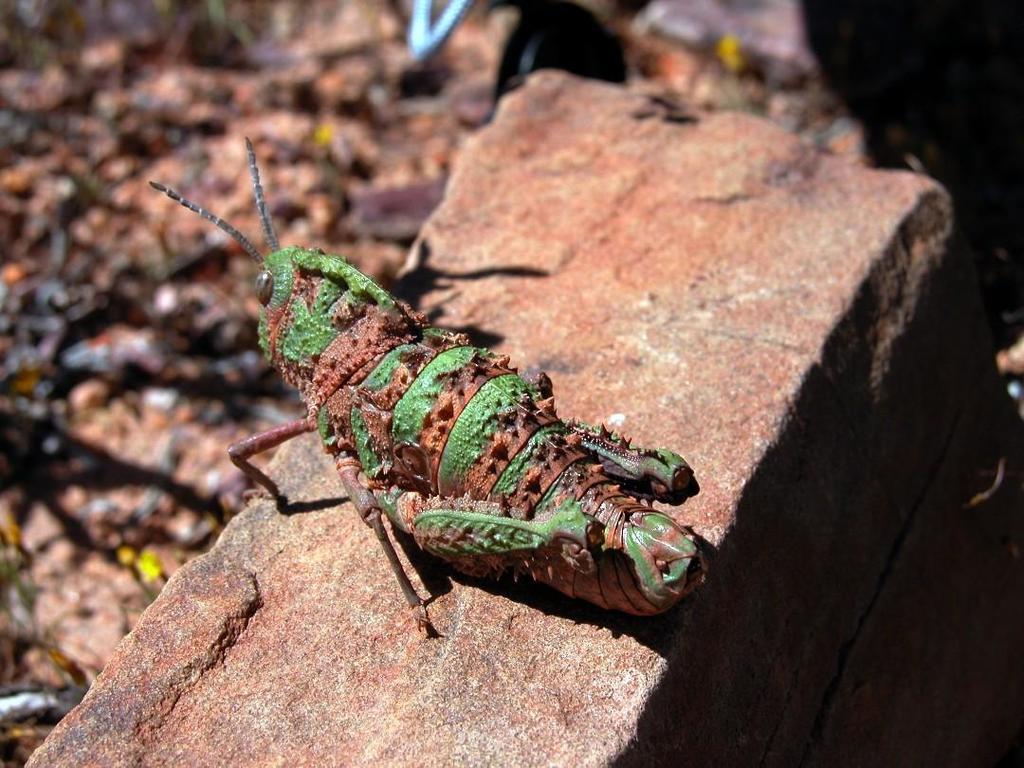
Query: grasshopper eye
x=264 y=287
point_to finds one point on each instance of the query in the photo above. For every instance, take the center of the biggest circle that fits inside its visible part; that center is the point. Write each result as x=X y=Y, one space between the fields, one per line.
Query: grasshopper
x=454 y=447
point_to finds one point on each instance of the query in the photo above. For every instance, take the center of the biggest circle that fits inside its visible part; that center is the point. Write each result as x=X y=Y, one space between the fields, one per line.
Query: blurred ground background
x=127 y=325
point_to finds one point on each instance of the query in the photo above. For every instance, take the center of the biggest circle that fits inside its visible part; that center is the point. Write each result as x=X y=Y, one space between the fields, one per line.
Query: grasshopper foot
x=423 y=622
x=252 y=494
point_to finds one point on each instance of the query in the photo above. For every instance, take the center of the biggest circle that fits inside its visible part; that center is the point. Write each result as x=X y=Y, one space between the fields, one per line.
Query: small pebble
x=1011 y=360
x=165 y=299
x=160 y=398
x=90 y=394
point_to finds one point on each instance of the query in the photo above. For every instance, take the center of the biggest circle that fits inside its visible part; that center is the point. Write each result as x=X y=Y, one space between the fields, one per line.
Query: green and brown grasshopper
x=455 y=447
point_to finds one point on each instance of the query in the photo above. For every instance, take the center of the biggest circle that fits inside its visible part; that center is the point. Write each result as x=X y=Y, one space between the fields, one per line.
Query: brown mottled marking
x=339 y=417
x=593 y=477
x=505 y=445
x=372 y=336
x=541 y=476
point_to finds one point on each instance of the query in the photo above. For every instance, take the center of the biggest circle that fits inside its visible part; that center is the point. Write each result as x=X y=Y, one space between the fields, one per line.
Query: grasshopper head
x=309 y=296
x=306 y=295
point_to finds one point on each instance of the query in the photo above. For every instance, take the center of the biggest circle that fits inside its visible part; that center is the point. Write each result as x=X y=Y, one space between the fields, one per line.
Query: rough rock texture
x=802 y=330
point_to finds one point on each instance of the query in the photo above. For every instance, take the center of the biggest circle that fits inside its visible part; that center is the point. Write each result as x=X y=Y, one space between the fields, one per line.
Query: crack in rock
x=233 y=627
x=846 y=649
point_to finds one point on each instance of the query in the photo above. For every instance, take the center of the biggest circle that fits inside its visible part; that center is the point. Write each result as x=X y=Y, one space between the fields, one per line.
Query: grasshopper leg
x=642 y=562
x=244 y=450
x=370 y=511
x=478 y=538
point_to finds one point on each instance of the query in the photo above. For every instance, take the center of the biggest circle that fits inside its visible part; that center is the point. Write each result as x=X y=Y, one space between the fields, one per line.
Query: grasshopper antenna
x=222 y=225
x=261 y=203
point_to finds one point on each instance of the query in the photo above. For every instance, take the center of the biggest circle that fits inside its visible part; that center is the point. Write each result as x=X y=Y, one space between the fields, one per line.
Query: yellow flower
x=148 y=566
x=323 y=135
x=10 y=531
x=25 y=380
x=126 y=555
x=730 y=53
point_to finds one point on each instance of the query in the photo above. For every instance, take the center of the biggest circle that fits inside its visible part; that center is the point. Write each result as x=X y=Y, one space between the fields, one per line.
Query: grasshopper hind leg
x=371 y=512
x=480 y=540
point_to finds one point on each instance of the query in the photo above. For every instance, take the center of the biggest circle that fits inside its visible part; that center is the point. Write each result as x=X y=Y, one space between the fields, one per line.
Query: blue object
x=425 y=41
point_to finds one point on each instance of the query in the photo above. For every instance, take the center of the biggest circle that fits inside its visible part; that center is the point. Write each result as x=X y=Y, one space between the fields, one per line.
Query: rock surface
x=801 y=330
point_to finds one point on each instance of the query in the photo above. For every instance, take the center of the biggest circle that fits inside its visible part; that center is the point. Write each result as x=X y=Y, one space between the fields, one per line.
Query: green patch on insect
x=456 y=532
x=455 y=447
x=311 y=329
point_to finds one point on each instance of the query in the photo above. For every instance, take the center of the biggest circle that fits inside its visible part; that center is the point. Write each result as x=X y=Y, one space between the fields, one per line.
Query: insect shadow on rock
x=420 y=278
x=455 y=447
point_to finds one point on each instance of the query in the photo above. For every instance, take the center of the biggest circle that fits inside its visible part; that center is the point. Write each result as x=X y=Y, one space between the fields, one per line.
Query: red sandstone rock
x=802 y=331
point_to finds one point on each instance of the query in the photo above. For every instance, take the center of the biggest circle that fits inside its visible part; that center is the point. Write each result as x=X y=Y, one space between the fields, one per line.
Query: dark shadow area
x=76 y=462
x=310 y=505
x=423 y=279
x=658 y=632
x=434 y=574
x=69 y=523
x=939 y=86
x=665 y=109
x=554 y=34
x=818 y=586
x=237 y=388
x=763 y=574
x=103 y=470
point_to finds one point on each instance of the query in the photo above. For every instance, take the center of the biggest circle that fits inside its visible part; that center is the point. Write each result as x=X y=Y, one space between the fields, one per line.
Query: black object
x=554 y=34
